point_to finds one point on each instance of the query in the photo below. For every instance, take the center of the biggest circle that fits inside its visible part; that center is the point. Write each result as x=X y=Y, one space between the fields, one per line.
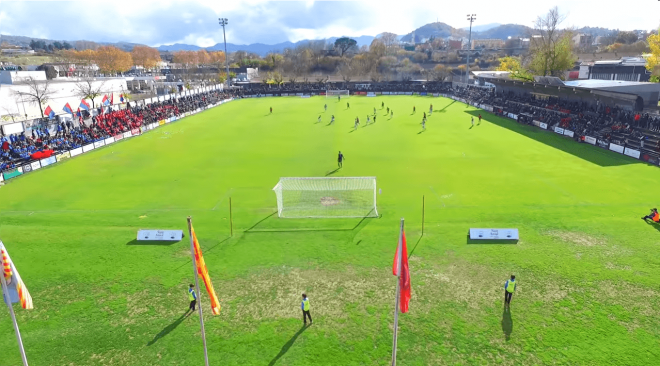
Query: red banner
x=135 y=131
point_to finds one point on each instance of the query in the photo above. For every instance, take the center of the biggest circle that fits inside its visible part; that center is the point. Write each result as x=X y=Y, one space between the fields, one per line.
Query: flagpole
x=201 y=315
x=398 y=290
x=5 y=294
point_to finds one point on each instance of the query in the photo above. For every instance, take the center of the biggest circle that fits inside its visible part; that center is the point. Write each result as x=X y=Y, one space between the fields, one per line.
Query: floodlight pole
x=471 y=18
x=223 y=23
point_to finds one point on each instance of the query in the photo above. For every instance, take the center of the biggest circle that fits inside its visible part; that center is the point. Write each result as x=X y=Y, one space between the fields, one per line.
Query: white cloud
x=252 y=21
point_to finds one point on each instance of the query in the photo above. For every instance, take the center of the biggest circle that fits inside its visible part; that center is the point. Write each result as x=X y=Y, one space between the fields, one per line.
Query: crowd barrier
x=38 y=164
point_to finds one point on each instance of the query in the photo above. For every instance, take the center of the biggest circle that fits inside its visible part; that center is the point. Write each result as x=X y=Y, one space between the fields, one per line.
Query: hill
x=482 y=28
x=436 y=29
x=503 y=32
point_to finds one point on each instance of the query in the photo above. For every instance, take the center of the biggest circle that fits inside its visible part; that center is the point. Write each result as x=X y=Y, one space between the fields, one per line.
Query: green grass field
x=587 y=266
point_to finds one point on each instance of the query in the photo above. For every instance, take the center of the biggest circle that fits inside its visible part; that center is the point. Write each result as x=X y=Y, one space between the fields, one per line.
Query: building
x=582 y=40
x=17 y=77
x=454 y=44
x=487 y=43
x=626 y=69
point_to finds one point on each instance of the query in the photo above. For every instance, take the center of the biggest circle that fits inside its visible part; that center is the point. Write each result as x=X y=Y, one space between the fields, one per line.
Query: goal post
x=326 y=197
x=335 y=93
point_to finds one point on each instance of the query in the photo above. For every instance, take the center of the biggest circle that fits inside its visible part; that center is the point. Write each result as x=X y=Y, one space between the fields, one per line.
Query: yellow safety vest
x=190 y=295
x=306 y=304
x=511 y=286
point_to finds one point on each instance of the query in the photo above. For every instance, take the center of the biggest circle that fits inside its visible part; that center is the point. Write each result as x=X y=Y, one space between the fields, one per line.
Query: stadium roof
x=594 y=83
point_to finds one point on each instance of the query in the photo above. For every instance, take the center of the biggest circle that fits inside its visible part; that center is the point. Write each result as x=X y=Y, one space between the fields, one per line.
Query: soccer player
x=431 y=109
x=388 y=109
x=374 y=118
x=271 y=110
x=339 y=98
x=480 y=120
x=348 y=105
x=424 y=115
x=424 y=124
x=357 y=123
x=332 y=120
x=392 y=113
x=340 y=159
x=472 y=121
x=374 y=110
x=413 y=109
x=325 y=107
x=368 y=119
x=382 y=105
x=319 y=120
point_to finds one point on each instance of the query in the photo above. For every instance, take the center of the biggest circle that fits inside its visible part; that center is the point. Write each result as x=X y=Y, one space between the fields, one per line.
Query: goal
x=326 y=197
x=334 y=93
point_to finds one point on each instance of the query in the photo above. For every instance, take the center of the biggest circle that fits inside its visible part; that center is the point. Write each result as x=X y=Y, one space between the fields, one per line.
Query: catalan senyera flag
x=203 y=272
x=15 y=286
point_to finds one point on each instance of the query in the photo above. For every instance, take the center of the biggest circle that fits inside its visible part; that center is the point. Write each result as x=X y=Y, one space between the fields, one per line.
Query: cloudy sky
x=256 y=21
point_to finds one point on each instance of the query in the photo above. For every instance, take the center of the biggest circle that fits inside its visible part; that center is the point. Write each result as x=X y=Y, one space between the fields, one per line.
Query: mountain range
x=436 y=29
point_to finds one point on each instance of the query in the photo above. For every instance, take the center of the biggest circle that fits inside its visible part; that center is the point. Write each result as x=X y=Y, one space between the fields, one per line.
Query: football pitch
x=586 y=265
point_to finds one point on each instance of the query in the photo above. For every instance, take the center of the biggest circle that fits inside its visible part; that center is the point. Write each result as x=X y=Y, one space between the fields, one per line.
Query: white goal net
x=335 y=93
x=326 y=197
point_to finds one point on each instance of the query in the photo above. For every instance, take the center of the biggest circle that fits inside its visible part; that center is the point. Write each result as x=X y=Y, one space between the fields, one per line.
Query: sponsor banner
x=559 y=130
x=109 y=140
x=1 y=178
x=436 y=94
x=604 y=144
x=568 y=133
x=512 y=116
x=305 y=96
x=27 y=168
x=536 y=123
x=76 y=151
x=651 y=159
x=12 y=173
x=543 y=125
x=199 y=110
x=269 y=95
x=386 y=93
x=154 y=125
x=590 y=140
x=35 y=165
x=63 y=156
x=87 y=148
x=299 y=94
x=630 y=152
x=166 y=120
x=617 y=148
x=135 y=131
x=98 y=144
x=119 y=137
x=48 y=161
x=371 y=94
x=127 y=134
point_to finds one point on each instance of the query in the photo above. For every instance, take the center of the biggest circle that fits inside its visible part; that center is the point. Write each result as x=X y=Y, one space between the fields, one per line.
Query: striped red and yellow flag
x=203 y=272
x=16 y=288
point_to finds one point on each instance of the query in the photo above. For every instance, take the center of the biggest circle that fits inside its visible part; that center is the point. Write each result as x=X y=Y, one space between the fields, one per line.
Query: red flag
x=404 y=278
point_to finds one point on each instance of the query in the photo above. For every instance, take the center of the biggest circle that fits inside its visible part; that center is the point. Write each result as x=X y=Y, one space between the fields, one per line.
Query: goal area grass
x=586 y=265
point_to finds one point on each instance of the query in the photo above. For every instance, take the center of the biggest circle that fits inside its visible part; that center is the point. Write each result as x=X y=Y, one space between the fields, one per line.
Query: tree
x=217 y=58
x=347 y=71
x=38 y=93
x=146 y=57
x=111 y=60
x=88 y=88
x=377 y=48
x=344 y=44
x=551 y=51
x=626 y=37
x=440 y=72
x=653 y=60
x=203 y=57
x=389 y=40
x=515 y=69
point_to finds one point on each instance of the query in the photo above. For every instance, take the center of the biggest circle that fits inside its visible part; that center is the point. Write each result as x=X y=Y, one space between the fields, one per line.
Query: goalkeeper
x=654 y=215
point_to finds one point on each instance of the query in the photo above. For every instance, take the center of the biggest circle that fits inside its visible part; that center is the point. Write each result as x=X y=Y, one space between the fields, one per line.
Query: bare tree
x=9 y=115
x=87 y=88
x=38 y=92
x=389 y=39
x=346 y=71
x=550 y=47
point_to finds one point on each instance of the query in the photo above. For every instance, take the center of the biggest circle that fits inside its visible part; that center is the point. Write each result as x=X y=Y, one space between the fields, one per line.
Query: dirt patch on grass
x=577 y=238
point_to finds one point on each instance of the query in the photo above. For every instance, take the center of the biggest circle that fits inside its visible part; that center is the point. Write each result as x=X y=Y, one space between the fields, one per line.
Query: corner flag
x=203 y=272
x=401 y=262
x=16 y=290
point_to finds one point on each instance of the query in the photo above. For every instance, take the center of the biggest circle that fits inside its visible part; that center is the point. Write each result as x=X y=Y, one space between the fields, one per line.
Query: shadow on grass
x=592 y=154
x=653 y=224
x=507 y=323
x=445 y=107
x=287 y=345
x=169 y=328
x=205 y=251
x=151 y=242
x=359 y=226
x=332 y=172
x=490 y=241
x=415 y=247
x=421 y=132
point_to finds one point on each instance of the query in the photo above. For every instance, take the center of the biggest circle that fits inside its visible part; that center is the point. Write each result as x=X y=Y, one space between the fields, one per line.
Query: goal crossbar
x=334 y=93
x=326 y=197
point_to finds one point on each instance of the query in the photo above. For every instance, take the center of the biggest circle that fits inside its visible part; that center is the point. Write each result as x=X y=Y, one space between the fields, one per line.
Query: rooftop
x=593 y=83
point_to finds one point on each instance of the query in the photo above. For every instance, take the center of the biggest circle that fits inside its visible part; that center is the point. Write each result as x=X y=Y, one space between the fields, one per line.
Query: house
x=582 y=40
x=487 y=43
